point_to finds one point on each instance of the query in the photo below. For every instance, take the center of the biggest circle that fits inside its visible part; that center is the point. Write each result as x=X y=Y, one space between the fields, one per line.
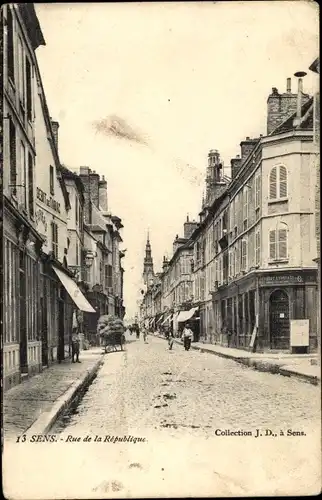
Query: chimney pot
x=247 y=138
x=289 y=85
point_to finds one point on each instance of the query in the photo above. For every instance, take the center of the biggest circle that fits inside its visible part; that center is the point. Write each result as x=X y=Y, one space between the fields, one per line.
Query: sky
x=143 y=91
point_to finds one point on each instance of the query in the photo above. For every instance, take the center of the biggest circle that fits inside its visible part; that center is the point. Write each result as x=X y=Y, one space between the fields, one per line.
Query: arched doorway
x=279 y=320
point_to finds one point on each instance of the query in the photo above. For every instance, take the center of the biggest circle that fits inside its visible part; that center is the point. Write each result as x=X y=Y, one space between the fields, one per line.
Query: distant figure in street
x=144 y=332
x=136 y=329
x=170 y=340
x=75 y=346
x=187 y=335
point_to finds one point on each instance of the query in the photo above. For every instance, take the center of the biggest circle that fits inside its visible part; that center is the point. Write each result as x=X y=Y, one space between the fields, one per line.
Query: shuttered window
x=29 y=89
x=257 y=247
x=31 y=185
x=13 y=157
x=257 y=191
x=273 y=184
x=282 y=243
x=278 y=183
x=10 y=45
x=278 y=243
x=272 y=245
x=282 y=182
x=54 y=234
x=244 y=254
x=245 y=208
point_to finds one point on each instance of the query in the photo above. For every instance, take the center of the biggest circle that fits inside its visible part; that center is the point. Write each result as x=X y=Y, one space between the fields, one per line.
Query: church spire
x=148 y=272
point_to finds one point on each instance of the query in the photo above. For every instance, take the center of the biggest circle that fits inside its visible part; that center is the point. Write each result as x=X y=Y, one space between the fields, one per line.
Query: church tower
x=148 y=273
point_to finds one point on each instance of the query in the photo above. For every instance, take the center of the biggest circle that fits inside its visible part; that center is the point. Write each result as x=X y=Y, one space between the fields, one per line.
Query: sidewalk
x=290 y=365
x=36 y=403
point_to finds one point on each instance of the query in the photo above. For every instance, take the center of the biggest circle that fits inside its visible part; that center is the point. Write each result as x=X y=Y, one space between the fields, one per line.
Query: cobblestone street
x=178 y=401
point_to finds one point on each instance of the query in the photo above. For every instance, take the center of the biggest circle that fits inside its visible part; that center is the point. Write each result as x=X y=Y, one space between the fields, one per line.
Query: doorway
x=61 y=325
x=279 y=320
x=23 y=318
x=44 y=329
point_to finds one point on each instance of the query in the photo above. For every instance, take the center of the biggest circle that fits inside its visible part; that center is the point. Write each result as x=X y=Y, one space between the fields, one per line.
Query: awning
x=166 y=319
x=74 y=292
x=160 y=319
x=186 y=315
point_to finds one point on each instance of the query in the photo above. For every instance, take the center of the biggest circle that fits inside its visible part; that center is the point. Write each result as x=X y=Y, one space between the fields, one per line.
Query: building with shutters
x=22 y=241
x=270 y=277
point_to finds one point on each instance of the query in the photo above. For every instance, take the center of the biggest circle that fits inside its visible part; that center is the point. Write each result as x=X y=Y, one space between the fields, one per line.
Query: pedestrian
x=170 y=340
x=75 y=346
x=187 y=335
x=144 y=332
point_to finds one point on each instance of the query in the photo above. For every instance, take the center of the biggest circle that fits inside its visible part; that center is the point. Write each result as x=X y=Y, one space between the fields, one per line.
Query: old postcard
x=161 y=250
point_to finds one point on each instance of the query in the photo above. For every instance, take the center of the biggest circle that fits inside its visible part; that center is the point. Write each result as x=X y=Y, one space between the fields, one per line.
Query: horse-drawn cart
x=111 y=332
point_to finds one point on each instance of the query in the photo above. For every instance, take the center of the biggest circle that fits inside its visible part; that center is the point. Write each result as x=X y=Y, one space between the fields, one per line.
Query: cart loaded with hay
x=111 y=332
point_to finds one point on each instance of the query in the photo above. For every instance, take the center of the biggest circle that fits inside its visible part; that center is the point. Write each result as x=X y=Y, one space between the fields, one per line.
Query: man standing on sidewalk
x=187 y=335
x=75 y=346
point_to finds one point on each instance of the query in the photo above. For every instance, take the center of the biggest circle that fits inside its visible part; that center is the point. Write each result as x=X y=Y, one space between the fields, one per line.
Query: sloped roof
x=305 y=124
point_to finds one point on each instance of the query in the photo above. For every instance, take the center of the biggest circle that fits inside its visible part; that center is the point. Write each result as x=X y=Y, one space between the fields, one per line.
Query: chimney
x=235 y=166
x=55 y=127
x=165 y=264
x=102 y=194
x=289 y=85
x=84 y=171
x=188 y=228
x=280 y=107
x=247 y=147
x=299 y=103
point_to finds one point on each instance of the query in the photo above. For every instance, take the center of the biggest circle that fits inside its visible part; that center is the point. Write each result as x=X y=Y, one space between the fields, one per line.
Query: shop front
x=255 y=312
x=286 y=296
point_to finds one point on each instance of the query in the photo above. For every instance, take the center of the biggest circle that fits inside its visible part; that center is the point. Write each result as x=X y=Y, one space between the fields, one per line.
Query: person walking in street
x=170 y=340
x=187 y=335
x=144 y=332
x=75 y=346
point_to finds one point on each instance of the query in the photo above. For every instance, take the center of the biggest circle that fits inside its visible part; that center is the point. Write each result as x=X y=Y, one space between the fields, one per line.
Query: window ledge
x=278 y=261
x=278 y=200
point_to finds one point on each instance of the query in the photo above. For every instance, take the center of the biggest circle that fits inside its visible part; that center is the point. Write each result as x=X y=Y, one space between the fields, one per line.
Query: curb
x=47 y=419
x=259 y=365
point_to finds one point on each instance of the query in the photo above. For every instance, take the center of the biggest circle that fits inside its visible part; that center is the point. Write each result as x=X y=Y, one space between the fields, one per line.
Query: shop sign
x=48 y=200
x=284 y=279
x=300 y=332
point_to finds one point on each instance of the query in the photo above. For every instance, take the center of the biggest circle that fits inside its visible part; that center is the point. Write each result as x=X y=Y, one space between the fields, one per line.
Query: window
x=244 y=254
x=278 y=242
x=278 y=183
x=51 y=180
x=29 y=89
x=245 y=208
x=23 y=172
x=108 y=276
x=54 y=236
x=13 y=157
x=230 y=263
x=10 y=45
x=30 y=185
x=257 y=247
x=21 y=69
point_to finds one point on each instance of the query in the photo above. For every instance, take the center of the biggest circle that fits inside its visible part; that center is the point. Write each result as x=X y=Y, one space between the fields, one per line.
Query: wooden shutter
x=273 y=184
x=272 y=245
x=282 y=243
x=282 y=182
x=257 y=248
x=244 y=254
x=31 y=185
